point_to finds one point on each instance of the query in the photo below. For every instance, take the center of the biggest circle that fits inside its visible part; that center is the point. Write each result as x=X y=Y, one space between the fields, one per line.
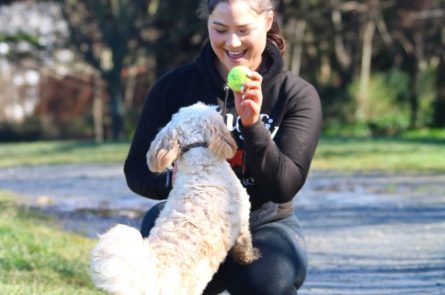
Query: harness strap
x=194 y=145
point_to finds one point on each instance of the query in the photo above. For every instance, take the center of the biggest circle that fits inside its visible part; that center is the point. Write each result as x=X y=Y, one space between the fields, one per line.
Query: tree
x=410 y=33
x=114 y=34
x=179 y=34
x=439 y=103
x=104 y=33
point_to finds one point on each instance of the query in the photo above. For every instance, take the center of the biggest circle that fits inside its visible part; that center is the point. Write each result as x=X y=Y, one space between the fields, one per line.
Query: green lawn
x=333 y=153
x=61 y=152
x=38 y=258
x=385 y=154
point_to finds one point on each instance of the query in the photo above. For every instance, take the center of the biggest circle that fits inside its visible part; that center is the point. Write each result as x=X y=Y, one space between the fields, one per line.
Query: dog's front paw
x=246 y=256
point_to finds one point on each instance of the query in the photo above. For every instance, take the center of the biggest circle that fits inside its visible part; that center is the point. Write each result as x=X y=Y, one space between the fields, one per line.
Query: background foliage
x=379 y=65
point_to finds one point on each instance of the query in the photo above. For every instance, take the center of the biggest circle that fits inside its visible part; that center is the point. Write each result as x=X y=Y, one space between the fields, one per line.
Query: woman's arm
x=280 y=167
x=154 y=115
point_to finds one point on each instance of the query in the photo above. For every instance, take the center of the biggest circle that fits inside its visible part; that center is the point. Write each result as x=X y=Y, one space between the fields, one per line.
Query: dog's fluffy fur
x=206 y=215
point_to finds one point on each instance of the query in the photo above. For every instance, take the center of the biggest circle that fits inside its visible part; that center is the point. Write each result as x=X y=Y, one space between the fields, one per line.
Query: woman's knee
x=276 y=273
x=150 y=217
x=281 y=269
x=258 y=284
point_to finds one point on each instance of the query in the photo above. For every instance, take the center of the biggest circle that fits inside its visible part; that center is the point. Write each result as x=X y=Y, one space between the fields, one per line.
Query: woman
x=276 y=121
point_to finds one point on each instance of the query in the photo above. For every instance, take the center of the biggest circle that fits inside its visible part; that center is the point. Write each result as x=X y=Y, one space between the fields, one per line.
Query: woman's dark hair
x=274 y=34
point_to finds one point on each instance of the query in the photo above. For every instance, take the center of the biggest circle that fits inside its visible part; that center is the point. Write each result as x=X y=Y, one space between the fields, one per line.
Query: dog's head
x=194 y=124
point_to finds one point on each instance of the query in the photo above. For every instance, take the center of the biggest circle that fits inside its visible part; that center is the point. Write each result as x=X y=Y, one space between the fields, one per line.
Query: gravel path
x=375 y=234
x=366 y=234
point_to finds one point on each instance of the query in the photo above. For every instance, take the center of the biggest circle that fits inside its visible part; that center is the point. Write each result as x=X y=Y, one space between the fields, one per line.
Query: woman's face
x=237 y=34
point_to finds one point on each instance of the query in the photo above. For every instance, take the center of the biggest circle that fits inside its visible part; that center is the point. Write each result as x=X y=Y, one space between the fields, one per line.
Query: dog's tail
x=122 y=262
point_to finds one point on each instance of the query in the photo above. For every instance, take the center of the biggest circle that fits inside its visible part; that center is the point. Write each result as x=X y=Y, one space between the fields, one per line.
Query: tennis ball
x=237 y=77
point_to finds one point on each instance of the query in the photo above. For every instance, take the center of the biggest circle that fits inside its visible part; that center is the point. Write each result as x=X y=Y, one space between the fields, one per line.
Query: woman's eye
x=220 y=31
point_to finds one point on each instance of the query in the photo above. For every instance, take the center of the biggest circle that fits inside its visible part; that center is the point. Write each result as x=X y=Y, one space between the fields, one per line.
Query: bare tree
x=105 y=33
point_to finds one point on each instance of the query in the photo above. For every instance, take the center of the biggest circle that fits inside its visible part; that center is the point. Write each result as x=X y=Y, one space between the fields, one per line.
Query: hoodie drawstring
x=226 y=97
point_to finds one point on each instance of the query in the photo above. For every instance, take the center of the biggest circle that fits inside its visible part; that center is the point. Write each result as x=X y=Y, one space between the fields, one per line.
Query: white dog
x=206 y=215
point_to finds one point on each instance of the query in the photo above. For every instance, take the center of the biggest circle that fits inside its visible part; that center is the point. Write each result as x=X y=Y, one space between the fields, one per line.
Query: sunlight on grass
x=380 y=154
x=66 y=152
x=333 y=153
x=38 y=258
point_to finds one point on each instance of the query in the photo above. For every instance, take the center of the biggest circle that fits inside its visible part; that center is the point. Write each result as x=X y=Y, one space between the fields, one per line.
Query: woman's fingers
x=249 y=101
x=252 y=91
x=255 y=76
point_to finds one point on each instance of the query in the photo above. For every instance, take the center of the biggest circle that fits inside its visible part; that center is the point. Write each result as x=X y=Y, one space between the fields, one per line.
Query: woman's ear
x=270 y=16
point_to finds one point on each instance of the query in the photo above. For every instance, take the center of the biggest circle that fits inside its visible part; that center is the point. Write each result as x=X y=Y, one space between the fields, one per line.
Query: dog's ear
x=164 y=149
x=221 y=142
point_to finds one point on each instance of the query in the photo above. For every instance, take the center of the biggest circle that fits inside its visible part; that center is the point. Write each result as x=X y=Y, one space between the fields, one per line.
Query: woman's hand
x=248 y=102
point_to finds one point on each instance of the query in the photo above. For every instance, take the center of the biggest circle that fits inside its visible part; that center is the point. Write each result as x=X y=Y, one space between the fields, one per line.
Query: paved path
x=366 y=234
x=375 y=234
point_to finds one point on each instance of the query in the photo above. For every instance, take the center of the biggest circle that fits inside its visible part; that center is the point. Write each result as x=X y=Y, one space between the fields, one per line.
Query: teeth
x=235 y=53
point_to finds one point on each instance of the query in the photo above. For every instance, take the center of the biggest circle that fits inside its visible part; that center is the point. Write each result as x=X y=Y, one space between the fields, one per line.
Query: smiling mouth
x=235 y=54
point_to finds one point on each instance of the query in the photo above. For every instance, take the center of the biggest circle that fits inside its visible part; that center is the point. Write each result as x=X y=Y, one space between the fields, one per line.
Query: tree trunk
x=98 y=109
x=114 y=86
x=130 y=86
x=297 y=27
x=343 y=57
x=412 y=64
x=439 y=104
x=362 y=111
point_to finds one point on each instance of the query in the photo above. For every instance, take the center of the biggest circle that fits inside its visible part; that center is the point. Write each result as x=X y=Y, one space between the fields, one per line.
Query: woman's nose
x=233 y=40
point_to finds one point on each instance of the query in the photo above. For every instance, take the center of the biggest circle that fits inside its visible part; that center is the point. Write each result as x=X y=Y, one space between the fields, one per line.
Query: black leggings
x=281 y=270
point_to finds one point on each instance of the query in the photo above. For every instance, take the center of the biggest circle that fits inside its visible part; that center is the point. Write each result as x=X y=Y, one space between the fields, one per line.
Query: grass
x=38 y=258
x=381 y=154
x=61 y=152
x=419 y=154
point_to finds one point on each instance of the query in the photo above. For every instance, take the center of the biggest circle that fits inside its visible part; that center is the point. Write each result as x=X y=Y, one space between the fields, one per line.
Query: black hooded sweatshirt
x=274 y=154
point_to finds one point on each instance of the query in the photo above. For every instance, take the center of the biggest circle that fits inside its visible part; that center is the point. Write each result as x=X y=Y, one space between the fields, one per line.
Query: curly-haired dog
x=206 y=215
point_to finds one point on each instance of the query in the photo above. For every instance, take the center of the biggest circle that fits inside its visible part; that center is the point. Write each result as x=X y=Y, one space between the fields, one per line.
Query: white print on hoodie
x=233 y=124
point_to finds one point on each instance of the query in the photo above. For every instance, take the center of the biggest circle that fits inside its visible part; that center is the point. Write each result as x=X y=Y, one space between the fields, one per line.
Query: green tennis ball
x=237 y=77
